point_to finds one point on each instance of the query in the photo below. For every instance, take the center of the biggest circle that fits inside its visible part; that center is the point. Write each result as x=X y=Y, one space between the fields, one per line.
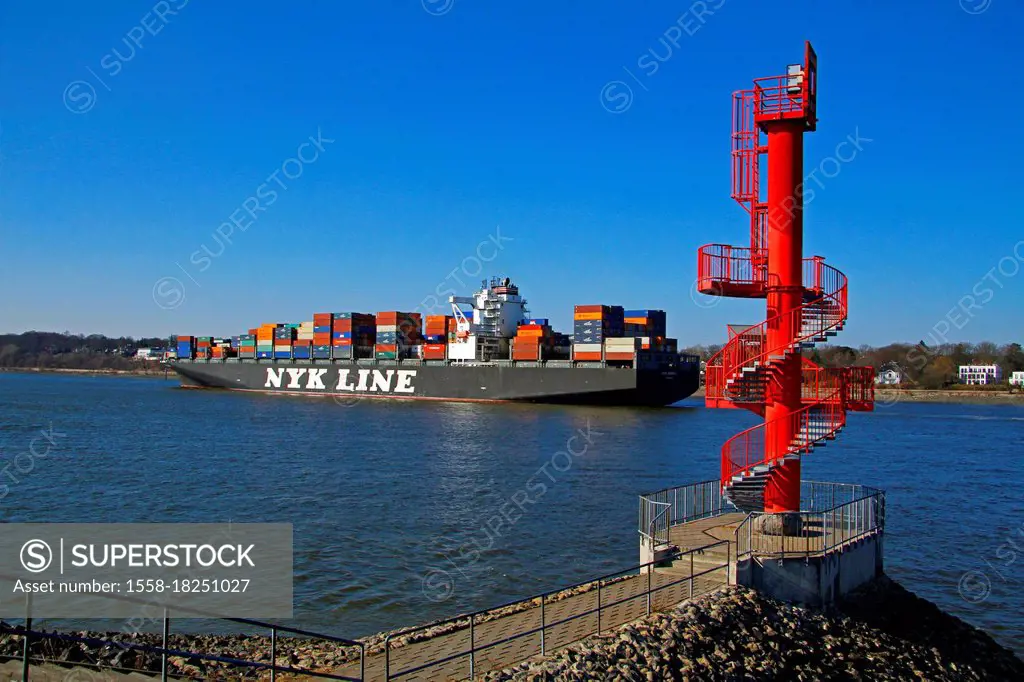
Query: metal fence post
x=273 y=654
x=25 y=650
x=691 y=574
x=472 y=646
x=163 y=645
x=387 y=658
x=650 y=569
x=543 y=624
x=599 y=606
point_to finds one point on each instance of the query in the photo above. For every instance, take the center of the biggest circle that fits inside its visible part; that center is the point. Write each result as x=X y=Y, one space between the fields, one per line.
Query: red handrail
x=716 y=265
x=747 y=449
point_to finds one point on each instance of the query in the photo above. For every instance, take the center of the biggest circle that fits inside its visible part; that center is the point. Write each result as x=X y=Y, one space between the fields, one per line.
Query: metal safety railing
x=34 y=646
x=661 y=510
x=834 y=515
x=604 y=604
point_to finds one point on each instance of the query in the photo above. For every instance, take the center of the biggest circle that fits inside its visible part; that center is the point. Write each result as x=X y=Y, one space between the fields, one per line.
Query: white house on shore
x=1017 y=379
x=889 y=377
x=980 y=374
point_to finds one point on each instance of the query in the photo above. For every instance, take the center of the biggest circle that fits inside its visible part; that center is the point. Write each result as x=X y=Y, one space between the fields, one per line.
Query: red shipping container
x=386 y=347
x=617 y=356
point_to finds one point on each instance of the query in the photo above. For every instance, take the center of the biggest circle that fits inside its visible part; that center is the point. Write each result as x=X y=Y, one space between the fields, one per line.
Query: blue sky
x=129 y=134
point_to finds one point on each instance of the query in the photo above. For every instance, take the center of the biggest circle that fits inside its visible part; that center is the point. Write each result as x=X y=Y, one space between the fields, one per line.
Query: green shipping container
x=386 y=355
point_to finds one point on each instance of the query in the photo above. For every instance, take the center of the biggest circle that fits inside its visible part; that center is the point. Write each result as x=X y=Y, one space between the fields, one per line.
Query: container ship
x=488 y=349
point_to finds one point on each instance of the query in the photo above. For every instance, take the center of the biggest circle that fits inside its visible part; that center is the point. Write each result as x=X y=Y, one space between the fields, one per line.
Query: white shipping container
x=628 y=343
x=587 y=347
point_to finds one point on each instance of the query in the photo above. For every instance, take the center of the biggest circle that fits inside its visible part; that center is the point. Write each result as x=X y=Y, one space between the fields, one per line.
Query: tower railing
x=806 y=427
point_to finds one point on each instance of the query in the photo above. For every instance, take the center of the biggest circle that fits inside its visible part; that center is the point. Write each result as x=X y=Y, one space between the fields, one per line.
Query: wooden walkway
x=629 y=595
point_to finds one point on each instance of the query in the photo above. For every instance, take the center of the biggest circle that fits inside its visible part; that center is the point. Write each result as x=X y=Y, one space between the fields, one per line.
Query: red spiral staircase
x=761 y=367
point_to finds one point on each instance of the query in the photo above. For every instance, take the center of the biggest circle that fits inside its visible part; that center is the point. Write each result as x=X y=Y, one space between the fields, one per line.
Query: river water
x=392 y=501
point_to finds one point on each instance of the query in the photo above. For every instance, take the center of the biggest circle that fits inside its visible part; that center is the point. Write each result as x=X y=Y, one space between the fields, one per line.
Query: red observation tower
x=761 y=367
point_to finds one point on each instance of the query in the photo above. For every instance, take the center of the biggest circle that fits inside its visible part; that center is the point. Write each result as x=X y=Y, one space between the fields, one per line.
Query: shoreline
x=147 y=372
x=887 y=397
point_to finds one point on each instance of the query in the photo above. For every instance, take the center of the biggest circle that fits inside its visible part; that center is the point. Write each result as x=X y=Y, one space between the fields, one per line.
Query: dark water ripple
x=383 y=495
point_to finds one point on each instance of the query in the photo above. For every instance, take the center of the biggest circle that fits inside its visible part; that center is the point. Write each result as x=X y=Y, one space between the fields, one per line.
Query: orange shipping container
x=587 y=357
x=386 y=347
x=617 y=356
x=588 y=316
x=530 y=333
x=637 y=320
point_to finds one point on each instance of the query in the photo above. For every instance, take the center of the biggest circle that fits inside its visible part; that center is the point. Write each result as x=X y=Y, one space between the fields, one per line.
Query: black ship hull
x=657 y=381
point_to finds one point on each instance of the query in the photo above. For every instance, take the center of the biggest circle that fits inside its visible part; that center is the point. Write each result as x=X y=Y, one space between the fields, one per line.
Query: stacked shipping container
x=247 y=346
x=624 y=348
x=322 y=323
x=203 y=344
x=353 y=335
x=302 y=348
x=186 y=346
x=436 y=333
x=284 y=337
x=645 y=323
x=592 y=324
x=398 y=334
x=265 y=340
x=601 y=332
x=531 y=338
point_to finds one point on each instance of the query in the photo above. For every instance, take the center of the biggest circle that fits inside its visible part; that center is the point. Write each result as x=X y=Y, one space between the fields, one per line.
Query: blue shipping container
x=323 y=329
x=282 y=354
x=322 y=354
x=538 y=320
x=264 y=354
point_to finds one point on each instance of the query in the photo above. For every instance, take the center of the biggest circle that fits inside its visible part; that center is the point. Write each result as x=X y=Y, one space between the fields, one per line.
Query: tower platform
x=812 y=557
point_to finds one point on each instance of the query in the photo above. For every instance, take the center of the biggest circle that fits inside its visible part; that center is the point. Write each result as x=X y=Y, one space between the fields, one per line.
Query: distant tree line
x=920 y=365
x=53 y=350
